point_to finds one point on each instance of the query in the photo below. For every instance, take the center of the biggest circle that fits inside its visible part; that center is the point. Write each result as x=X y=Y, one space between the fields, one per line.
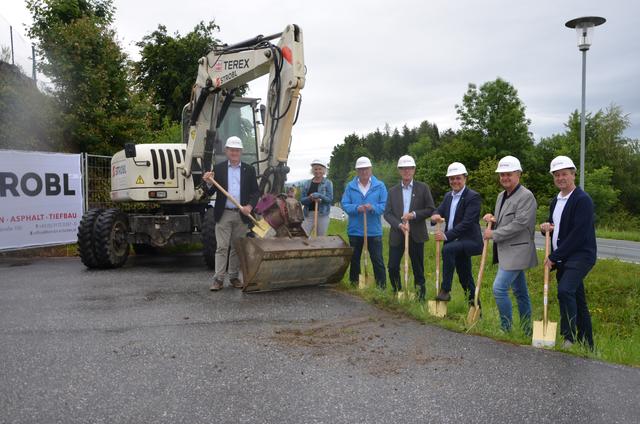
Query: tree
x=604 y=196
x=493 y=119
x=606 y=146
x=89 y=71
x=169 y=65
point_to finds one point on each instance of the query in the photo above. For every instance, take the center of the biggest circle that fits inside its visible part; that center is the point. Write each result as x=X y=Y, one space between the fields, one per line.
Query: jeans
x=455 y=258
x=518 y=283
x=575 y=320
x=416 y=253
x=374 y=245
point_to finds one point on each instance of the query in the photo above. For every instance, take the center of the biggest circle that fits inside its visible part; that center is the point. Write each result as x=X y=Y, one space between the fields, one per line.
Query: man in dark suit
x=574 y=249
x=462 y=238
x=239 y=179
x=408 y=206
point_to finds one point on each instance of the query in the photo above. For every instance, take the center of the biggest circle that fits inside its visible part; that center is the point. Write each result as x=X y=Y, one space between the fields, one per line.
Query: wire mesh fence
x=15 y=49
x=96 y=175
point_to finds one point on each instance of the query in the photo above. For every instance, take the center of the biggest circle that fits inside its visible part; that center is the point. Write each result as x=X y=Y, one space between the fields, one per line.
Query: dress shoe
x=217 y=285
x=443 y=296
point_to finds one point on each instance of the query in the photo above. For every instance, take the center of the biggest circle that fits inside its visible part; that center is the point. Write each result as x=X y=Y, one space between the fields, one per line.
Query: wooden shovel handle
x=545 y=293
x=406 y=258
x=438 y=245
x=366 y=246
x=483 y=259
x=315 y=221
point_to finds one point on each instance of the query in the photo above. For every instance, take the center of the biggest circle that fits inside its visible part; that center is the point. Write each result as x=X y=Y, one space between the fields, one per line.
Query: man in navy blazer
x=462 y=238
x=573 y=242
x=239 y=180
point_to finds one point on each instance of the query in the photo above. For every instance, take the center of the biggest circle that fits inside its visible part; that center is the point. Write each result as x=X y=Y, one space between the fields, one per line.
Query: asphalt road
x=150 y=343
x=628 y=251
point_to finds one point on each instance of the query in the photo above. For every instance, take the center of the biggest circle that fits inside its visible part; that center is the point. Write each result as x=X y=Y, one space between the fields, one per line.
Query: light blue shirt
x=406 y=197
x=455 y=199
x=233 y=177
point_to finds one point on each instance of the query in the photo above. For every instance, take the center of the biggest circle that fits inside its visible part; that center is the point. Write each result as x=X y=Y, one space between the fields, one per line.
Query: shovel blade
x=474 y=315
x=437 y=308
x=542 y=338
x=261 y=229
x=406 y=295
x=364 y=281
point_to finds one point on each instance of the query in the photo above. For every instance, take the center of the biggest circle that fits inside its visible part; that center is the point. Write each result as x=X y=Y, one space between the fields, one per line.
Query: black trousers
x=454 y=258
x=416 y=253
x=575 y=320
x=374 y=245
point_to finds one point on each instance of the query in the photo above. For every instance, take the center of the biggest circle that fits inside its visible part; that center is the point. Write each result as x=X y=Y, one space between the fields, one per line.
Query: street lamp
x=584 y=28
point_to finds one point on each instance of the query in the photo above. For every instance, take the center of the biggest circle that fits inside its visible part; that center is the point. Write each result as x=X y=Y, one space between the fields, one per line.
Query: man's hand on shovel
x=488 y=233
x=547 y=227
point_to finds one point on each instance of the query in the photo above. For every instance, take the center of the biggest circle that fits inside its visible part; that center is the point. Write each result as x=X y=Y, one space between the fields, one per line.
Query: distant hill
x=29 y=119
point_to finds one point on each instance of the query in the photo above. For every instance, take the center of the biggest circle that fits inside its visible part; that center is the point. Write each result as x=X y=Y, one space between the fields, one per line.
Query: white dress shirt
x=557 y=217
x=455 y=199
x=233 y=176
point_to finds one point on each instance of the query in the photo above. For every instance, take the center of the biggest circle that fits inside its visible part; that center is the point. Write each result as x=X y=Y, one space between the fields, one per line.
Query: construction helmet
x=233 y=142
x=363 y=162
x=456 y=168
x=561 y=162
x=406 y=161
x=509 y=164
x=318 y=162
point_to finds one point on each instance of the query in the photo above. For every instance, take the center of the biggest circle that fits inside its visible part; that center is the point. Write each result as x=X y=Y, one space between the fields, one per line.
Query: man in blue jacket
x=365 y=194
x=573 y=242
x=462 y=237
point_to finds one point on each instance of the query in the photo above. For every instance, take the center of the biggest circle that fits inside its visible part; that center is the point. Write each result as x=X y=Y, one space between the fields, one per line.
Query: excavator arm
x=227 y=68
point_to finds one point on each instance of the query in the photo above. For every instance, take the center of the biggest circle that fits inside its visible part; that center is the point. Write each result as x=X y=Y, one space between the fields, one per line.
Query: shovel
x=544 y=332
x=261 y=227
x=315 y=220
x=406 y=293
x=438 y=308
x=474 y=311
x=364 y=279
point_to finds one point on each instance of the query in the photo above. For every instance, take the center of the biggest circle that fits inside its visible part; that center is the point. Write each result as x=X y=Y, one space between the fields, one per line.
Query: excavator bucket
x=278 y=262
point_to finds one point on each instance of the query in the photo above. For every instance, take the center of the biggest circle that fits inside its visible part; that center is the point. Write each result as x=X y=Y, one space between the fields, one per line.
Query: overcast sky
x=402 y=62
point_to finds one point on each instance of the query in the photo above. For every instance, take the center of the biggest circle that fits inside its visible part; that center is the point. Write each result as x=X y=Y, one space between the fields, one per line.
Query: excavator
x=163 y=189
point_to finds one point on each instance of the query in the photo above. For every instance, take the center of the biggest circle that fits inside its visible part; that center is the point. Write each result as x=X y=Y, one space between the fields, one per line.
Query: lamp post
x=584 y=28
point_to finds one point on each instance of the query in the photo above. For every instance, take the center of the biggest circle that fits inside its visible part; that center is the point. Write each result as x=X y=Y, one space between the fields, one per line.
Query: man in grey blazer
x=513 y=243
x=409 y=204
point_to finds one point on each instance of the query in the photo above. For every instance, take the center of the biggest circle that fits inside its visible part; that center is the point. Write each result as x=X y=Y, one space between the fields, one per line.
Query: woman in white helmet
x=514 y=249
x=317 y=192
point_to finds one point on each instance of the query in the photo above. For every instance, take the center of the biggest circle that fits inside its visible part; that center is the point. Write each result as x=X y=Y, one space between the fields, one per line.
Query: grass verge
x=613 y=296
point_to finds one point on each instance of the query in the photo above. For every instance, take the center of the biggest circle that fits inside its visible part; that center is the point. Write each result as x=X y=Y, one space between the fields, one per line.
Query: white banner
x=40 y=198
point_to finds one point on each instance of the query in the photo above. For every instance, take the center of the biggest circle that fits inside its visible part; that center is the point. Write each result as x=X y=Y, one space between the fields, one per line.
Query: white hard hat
x=456 y=168
x=406 y=161
x=363 y=162
x=561 y=162
x=509 y=164
x=318 y=162
x=234 y=142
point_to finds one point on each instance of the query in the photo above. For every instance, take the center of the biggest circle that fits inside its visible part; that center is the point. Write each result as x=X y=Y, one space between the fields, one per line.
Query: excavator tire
x=86 y=238
x=111 y=246
x=209 y=244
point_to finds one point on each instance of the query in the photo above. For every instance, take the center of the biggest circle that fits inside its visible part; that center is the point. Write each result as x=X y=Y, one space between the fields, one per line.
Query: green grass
x=631 y=235
x=613 y=296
